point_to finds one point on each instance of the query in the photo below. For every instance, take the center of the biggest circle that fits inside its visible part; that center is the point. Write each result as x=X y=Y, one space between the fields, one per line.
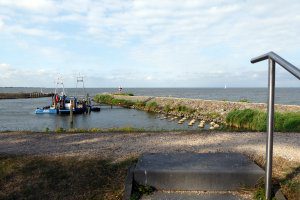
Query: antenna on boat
x=80 y=79
x=59 y=82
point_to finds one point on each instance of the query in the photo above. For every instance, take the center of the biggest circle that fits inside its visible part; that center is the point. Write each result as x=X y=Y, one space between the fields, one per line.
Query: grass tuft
x=151 y=106
x=59 y=130
x=124 y=94
x=140 y=190
x=255 y=120
x=108 y=99
x=244 y=100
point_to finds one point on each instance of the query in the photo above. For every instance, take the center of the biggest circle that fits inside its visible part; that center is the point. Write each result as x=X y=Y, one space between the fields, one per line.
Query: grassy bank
x=24 y=177
x=255 y=120
x=124 y=94
x=246 y=119
x=108 y=99
x=152 y=106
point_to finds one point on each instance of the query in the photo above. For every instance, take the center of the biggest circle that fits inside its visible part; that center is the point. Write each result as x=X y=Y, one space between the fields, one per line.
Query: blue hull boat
x=61 y=104
x=46 y=111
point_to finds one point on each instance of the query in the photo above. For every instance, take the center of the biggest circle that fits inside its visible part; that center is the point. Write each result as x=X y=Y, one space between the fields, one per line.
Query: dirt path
x=123 y=145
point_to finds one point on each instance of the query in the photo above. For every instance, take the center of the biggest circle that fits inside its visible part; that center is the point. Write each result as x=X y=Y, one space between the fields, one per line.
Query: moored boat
x=63 y=104
x=46 y=110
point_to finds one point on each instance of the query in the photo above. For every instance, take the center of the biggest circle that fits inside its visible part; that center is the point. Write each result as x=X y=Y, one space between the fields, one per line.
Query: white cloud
x=1 y=24
x=31 y=5
x=33 y=32
x=31 y=77
x=165 y=38
x=149 y=78
x=6 y=70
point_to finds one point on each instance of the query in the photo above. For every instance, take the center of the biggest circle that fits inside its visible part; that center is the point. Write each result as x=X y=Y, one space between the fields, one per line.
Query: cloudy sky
x=146 y=43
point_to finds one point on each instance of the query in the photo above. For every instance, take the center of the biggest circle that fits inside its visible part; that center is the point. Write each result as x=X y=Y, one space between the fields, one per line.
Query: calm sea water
x=18 y=114
x=283 y=95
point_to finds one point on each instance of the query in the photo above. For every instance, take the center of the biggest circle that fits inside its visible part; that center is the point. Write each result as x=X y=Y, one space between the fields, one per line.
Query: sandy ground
x=124 y=145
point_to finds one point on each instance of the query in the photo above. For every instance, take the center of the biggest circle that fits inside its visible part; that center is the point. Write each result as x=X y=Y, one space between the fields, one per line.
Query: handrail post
x=273 y=59
x=270 y=128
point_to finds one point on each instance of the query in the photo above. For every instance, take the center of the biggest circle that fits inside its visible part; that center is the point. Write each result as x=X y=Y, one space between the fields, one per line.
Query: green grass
x=244 y=100
x=140 y=104
x=286 y=176
x=124 y=94
x=183 y=109
x=291 y=187
x=58 y=130
x=167 y=108
x=260 y=194
x=255 y=120
x=122 y=102
x=32 y=177
x=213 y=115
x=140 y=190
x=103 y=98
x=151 y=106
x=108 y=99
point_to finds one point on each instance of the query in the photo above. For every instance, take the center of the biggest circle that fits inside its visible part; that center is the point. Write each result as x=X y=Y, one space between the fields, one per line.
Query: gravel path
x=123 y=145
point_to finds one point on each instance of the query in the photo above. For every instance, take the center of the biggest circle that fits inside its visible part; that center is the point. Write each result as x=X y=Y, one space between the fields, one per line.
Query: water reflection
x=18 y=114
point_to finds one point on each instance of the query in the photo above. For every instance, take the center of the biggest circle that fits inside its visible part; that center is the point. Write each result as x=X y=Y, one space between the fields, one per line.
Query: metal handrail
x=285 y=64
x=273 y=59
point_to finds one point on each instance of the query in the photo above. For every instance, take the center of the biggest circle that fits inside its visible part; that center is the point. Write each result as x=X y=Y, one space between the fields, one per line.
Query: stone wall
x=221 y=106
x=134 y=98
x=209 y=105
x=23 y=95
x=207 y=109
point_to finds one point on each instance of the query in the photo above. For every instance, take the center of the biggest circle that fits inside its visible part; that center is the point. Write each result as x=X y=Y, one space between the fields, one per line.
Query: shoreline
x=196 y=109
x=115 y=145
x=22 y=95
x=202 y=103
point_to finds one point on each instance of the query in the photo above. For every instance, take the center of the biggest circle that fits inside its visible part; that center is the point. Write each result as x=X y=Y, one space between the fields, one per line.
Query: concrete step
x=197 y=172
x=193 y=196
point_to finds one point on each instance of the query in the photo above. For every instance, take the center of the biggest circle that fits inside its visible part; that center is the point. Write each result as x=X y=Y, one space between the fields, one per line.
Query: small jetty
x=24 y=95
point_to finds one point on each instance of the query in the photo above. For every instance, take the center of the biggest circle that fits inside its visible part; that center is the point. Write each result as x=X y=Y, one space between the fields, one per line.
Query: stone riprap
x=134 y=98
x=22 y=95
x=206 y=109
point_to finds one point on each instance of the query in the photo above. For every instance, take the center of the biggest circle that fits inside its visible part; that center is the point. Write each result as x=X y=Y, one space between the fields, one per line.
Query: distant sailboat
x=225 y=87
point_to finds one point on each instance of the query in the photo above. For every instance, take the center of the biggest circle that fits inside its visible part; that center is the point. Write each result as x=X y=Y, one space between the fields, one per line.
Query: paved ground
x=123 y=145
x=196 y=196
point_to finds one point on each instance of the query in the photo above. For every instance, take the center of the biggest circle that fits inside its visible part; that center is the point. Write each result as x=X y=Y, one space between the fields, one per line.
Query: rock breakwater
x=208 y=110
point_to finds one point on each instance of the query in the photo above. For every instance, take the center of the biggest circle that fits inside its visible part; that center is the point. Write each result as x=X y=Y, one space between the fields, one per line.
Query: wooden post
x=71 y=110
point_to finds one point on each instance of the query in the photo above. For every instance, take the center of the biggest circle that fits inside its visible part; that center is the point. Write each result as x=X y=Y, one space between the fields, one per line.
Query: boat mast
x=59 y=82
x=80 y=79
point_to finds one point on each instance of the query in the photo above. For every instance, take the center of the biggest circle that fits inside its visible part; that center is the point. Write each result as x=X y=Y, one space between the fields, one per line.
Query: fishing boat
x=46 y=110
x=63 y=104
x=78 y=107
